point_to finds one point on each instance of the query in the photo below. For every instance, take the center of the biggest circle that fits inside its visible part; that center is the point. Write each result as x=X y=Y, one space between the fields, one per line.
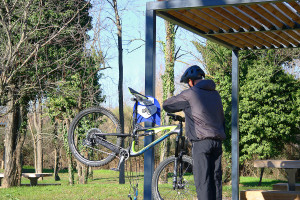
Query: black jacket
x=204 y=115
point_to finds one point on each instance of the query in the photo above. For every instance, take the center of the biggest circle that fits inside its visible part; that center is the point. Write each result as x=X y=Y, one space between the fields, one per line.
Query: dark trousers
x=207 y=155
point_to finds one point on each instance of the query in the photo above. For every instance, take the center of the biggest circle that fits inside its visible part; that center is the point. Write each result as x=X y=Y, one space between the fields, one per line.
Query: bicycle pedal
x=115 y=169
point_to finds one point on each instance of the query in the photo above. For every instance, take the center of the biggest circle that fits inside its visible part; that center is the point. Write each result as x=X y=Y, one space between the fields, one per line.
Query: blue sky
x=133 y=25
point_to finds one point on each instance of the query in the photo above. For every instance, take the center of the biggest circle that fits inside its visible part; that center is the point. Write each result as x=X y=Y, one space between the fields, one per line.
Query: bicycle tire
x=92 y=119
x=162 y=185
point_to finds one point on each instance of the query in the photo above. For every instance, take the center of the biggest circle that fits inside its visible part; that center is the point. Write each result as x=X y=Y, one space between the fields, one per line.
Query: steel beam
x=188 y=4
x=235 y=126
x=149 y=90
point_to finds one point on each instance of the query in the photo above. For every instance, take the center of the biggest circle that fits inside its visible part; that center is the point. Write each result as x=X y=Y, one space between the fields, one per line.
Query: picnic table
x=290 y=167
x=33 y=177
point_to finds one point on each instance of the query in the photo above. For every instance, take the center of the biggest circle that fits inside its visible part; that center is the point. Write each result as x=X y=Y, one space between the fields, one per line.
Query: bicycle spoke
x=163 y=181
x=83 y=136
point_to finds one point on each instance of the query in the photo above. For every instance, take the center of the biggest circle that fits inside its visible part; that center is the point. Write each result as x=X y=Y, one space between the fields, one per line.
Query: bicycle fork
x=178 y=164
x=178 y=173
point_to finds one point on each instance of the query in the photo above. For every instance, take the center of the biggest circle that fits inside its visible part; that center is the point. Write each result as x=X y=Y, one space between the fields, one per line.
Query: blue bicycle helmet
x=193 y=72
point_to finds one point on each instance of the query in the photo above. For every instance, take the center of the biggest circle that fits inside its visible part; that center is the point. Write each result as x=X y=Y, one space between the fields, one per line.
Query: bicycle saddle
x=146 y=107
x=140 y=98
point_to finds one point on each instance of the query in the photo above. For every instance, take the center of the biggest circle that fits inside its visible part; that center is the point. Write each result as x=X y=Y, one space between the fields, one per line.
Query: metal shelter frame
x=235 y=24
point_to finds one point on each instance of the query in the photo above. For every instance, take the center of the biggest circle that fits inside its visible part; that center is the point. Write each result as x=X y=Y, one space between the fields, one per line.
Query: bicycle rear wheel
x=82 y=131
x=162 y=181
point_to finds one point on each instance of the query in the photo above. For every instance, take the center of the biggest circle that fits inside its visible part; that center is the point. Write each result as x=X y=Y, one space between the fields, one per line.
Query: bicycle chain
x=104 y=151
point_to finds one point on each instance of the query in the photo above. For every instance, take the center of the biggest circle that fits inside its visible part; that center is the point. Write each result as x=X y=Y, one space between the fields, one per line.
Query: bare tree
x=26 y=35
x=38 y=140
x=118 y=24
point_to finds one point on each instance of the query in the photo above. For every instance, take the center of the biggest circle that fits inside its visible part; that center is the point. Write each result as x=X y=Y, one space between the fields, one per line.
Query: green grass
x=103 y=186
x=247 y=183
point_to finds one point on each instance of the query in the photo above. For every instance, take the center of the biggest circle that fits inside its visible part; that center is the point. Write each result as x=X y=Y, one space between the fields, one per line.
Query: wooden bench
x=1 y=177
x=33 y=177
x=269 y=195
x=284 y=186
x=290 y=167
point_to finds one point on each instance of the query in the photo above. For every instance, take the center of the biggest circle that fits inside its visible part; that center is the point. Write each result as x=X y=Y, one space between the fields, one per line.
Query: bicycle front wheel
x=81 y=136
x=163 y=186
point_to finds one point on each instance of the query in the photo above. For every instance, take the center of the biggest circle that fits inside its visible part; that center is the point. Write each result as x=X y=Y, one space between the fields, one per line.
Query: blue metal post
x=149 y=90
x=235 y=125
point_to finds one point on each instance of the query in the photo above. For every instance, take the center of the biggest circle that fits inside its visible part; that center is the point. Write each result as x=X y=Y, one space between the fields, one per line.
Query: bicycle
x=95 y=138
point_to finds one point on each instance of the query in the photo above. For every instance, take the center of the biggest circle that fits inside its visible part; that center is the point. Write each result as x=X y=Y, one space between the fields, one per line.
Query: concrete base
x=269 y=195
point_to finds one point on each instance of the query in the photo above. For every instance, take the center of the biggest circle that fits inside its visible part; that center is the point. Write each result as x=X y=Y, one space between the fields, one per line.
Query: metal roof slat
x=267 y=15
x=268 y=39
x=233 y=18
x=287 y=38
x=295 y=5
x=244 y=17
x=255 y=31
x=207 y=17
x=196 y=17
x=220 y=18
x=248 y=39
x=256 y=16
x=189 y=21
x=260 y=40
x=277 y=13
x=294 y=35
x=296 y=32
x=230 y=41
x=289 y=12
x=175 y=20
x=195 y=30
x=278 y=38
x=236 y=39
x=238 y=24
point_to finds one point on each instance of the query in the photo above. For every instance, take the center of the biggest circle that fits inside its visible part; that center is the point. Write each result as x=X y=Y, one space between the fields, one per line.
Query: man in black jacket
x=205 y=128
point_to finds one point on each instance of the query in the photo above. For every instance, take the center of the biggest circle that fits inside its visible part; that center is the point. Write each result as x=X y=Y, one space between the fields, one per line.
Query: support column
x=235 y=125
x=150 y=49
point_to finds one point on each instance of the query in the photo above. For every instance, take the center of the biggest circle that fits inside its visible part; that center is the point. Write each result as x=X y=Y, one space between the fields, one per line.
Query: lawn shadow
x=263 y=184
x=116 y=178
x=27 y=169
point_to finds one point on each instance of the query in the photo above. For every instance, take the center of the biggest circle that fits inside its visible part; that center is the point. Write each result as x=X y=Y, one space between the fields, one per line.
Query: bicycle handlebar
x=176 y=117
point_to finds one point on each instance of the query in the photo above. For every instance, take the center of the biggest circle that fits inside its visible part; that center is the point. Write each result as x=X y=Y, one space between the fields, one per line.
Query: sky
x=133 y=26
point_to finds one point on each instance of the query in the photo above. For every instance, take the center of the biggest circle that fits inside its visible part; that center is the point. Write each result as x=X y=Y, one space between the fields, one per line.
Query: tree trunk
x=69 y=155
x=82 y=172
x=120 y=85
x=56 y=164
x=168 y=82
x=56 y=152
x=70 y=170
x=91 y=173
x=11 y=142
x=33 y=143
x=21 y=139
x=39 y=142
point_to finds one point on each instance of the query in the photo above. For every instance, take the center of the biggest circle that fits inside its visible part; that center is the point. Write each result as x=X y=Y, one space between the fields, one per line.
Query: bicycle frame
x=93 y=140
x=130 y=151
x=171 y=130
